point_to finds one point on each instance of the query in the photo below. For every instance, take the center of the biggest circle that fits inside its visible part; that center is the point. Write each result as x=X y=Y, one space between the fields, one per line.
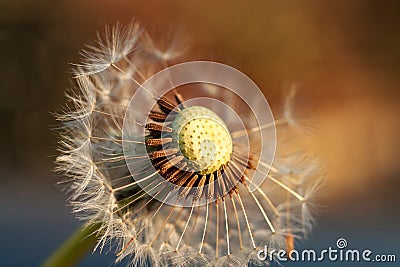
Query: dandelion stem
x=74 y=248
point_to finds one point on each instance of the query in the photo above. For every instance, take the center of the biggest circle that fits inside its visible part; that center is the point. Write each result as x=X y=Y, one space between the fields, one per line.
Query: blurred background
x=345 y=56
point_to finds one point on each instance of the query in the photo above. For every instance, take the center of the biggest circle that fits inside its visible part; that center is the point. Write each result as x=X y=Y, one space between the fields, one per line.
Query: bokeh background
x=344 y=55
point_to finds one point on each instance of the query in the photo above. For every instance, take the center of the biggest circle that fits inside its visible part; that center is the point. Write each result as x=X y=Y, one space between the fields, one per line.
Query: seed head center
x=202 y=137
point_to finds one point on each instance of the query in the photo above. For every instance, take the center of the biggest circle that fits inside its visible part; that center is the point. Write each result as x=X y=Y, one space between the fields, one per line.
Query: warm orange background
x=344 y=55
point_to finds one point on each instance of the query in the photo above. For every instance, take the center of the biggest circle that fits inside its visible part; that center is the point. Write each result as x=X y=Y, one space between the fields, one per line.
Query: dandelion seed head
x=178 y=186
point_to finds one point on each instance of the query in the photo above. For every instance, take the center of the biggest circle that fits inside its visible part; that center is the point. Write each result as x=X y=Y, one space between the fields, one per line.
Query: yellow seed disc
x=202 y=138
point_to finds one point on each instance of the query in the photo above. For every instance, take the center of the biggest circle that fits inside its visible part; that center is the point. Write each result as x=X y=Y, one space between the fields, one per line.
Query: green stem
x=74 y=248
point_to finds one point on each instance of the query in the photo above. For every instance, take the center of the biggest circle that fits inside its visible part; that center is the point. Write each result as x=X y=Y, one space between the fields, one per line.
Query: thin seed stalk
x=73 y=249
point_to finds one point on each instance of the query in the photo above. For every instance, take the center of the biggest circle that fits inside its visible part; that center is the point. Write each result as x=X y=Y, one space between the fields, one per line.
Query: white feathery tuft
x=142 y=230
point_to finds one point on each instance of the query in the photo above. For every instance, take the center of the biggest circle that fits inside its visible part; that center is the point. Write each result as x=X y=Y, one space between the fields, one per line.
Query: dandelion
x=173 y=177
